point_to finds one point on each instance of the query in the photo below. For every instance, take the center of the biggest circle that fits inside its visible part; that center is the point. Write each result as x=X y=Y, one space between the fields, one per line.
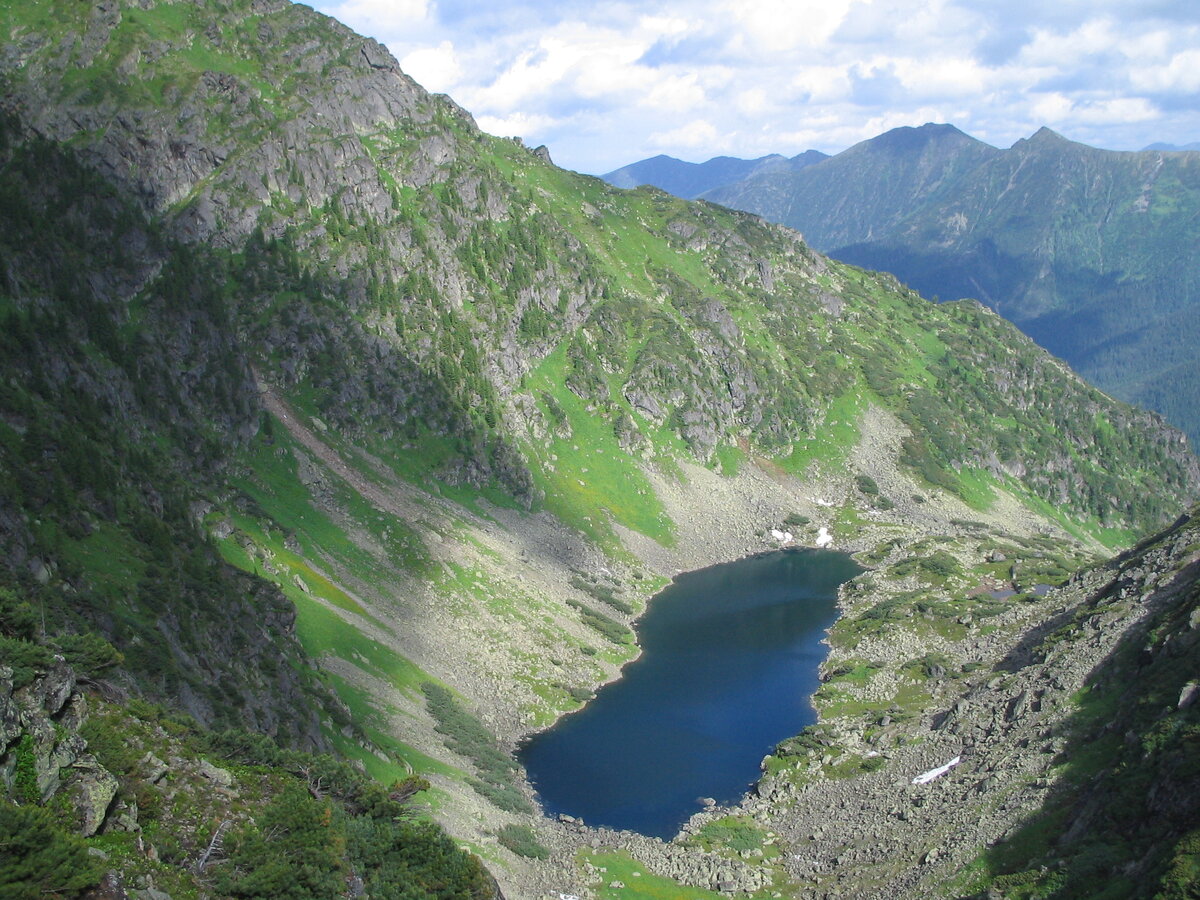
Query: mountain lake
x=729 y=661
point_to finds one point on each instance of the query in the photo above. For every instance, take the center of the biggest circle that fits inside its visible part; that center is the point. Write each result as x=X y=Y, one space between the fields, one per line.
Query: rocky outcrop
x=42 y=754
x=1016 y=726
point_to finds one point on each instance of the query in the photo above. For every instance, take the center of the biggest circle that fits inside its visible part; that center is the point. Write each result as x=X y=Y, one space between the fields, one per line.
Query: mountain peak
x=908 y=138
x=1045 y=135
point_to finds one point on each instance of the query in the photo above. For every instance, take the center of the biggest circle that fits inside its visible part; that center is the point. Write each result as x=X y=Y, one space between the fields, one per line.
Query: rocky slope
x=1085 y=721
x=172 y=810
x=1088 y=251
x=1037 y=745
x=279 y=324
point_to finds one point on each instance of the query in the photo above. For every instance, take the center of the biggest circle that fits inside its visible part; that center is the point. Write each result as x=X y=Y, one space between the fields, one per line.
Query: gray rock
x=215 y=773
x=1018 y=706
x=10 y=713
x=109 y=888
x=52 y=690
x=92 y=789
x=1188 y=695
x=154 y=768
x=377 y=56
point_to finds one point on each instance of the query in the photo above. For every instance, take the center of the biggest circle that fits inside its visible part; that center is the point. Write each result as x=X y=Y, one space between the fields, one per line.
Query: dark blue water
x=730 y=659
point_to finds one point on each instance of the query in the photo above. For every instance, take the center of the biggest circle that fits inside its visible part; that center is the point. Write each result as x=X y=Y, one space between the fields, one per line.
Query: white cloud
x=606 y=84
x=821 y=83
x=752 y=102
x=379 y=18
x=1053 y=108
x=1064 y=50
x=515 y=125
x=665 y=26
x=699 y=134
x=1180 y=75
x=1116 y=111
x=942 y=77
x=676 y=93
x=1056 y=108
x=780 y=25
x=436 y=68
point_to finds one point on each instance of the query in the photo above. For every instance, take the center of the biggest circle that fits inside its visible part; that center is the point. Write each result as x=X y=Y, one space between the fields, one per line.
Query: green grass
x=324 y=633
x=642 y=886
x=275 y=486
x=1114 y=538
x=978 y=488
x=832 y=441
x=592 y=478
x=735 y=833
x=730 y=459
x=420 y=461
x=111 y=558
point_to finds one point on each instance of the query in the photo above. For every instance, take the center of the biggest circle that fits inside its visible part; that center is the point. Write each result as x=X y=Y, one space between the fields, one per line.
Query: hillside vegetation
x=1088 y=251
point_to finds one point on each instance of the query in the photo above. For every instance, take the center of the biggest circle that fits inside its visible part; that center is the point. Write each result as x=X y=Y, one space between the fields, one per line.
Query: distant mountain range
x=690 y=180
x=1091 y=252
x=1173 y=148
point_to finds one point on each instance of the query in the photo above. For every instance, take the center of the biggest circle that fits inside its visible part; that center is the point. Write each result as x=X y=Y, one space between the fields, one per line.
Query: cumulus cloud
x=606 y=83
x=515 y=125
x=697 y=134
x=436 y=68
x=1180 y=74
x=378 y=17
x=772 y=26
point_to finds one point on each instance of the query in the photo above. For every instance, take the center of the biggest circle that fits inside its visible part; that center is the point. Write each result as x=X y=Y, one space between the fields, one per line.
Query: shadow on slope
x=1124 y=819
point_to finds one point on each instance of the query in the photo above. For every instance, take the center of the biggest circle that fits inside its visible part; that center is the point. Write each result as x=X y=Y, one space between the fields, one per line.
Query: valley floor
x=839 y=817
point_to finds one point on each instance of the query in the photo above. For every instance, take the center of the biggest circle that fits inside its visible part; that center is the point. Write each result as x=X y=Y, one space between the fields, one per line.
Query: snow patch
x=926 y=777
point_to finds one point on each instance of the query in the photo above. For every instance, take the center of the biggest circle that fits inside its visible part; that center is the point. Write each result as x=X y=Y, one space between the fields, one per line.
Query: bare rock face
x=50 y=692
x=91 y=789
x=39 y=735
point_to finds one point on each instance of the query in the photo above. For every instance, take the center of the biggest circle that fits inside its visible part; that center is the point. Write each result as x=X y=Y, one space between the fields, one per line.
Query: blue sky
x=609 y=82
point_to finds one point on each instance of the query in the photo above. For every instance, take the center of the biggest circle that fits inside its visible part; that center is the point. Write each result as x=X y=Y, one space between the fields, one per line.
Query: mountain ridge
x=1085 y=249
x=690 y=180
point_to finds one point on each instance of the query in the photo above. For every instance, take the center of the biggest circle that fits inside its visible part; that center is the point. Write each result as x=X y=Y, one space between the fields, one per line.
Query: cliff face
x=170 y=810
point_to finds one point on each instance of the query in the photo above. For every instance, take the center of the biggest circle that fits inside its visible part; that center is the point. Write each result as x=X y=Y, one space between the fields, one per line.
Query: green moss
x=730 y=459
x=831 y=442
x=737 y=833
